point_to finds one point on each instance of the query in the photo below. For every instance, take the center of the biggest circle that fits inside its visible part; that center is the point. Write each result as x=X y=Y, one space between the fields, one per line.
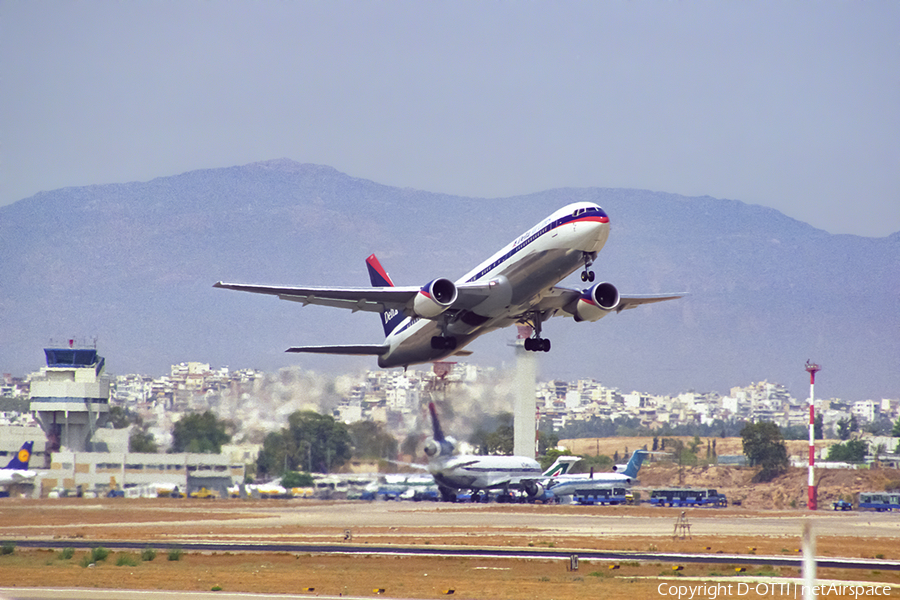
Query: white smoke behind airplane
x=263 y=404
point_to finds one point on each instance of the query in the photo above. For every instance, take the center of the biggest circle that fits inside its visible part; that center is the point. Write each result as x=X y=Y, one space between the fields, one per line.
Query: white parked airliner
x=478 y=473
x=518 y=284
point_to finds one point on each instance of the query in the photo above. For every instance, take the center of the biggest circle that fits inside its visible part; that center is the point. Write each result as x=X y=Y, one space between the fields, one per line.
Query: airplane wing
x=369 y=299
x=626 y=302
x=355 y=349
x=561 y=297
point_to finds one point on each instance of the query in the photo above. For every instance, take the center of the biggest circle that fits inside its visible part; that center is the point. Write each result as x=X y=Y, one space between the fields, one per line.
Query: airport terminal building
x=70 y=401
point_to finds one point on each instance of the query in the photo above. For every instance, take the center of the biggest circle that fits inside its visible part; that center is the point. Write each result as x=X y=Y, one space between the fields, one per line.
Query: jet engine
x=534 y=489
x=596 y=301
x=435 y=298
x=434 y=448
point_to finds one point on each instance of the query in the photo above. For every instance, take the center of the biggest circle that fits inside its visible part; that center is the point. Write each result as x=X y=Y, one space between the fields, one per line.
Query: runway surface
x=274 y=520
x=849 y=540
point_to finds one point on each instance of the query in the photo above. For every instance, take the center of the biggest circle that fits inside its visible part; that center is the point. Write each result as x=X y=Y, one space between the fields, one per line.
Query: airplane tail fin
x=20 y=460
x=438 y=433
x=634 y=465
x=561 y=466
x=439 y=445
x=380 y=278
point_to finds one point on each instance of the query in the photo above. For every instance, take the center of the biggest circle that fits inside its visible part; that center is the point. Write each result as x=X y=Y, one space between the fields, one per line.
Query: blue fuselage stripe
x=592 y=216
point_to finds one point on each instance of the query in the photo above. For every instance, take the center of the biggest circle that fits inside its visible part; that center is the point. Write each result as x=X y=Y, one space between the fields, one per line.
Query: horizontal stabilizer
x=362 y=349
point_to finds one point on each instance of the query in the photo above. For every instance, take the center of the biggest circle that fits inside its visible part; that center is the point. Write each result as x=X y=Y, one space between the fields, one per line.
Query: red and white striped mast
x=812 y=369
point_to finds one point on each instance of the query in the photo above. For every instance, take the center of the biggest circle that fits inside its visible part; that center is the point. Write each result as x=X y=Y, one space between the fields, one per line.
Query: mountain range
x=133 y=265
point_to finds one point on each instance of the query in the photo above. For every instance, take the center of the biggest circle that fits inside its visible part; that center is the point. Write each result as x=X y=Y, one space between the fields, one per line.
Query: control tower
x=69 y=397
x=524 y=420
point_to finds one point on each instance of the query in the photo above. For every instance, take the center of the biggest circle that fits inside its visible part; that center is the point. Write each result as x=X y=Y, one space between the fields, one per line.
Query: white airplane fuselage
x=568 y=486
x=12 y=476
x=472 y=472
x=523 y=271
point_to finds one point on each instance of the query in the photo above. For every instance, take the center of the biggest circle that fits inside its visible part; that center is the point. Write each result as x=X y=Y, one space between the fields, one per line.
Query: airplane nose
x=591 y=236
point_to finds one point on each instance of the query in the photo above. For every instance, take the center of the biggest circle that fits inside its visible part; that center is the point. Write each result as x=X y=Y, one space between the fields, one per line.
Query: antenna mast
x=812 y=369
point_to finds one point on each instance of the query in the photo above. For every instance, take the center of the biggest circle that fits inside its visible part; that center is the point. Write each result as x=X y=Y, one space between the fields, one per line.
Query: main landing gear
x=536 y=343
x=587 y=274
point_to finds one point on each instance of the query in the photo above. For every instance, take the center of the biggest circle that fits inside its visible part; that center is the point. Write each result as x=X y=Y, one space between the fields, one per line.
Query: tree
x=895 y=432
x=497 y=441
x=293 y=479
x=853 y=451
x=819 y=427
x=272 y=457
x=200 y=433
x=142 y=440
x=311 y=442
x=120 y=417
x=410 y=444
x=843 y=429
x=371 y=441
x=547 y=441
x=846 y=427
x=318 y=442
x=764 y=447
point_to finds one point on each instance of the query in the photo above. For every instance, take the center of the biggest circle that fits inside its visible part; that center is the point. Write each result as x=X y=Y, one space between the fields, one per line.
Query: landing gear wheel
x=537 y=345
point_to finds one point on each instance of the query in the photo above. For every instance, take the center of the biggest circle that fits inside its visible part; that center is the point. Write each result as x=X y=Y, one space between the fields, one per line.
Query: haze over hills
x=134 y=264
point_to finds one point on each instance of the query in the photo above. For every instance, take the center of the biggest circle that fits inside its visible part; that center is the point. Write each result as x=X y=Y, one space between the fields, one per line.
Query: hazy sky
x=789 y=104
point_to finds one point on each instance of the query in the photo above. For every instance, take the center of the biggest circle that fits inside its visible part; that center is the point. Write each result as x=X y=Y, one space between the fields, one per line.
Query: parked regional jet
x=565 y=485
x=515 y=285
x=17 y=469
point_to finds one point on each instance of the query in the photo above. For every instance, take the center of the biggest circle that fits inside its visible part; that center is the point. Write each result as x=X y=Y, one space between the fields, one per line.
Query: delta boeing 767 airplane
x=518 y=284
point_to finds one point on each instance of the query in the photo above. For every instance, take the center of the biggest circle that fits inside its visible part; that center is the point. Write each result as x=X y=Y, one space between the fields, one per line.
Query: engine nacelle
x=434 y=448
x=435 y=298
x=534 y=489
x=596 y=302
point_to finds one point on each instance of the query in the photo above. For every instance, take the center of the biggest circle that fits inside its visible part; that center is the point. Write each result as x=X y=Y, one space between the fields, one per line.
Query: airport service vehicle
x=841 y=505
x=679 y=497
x=517 y=285
x=601 y=495
x=879 y=501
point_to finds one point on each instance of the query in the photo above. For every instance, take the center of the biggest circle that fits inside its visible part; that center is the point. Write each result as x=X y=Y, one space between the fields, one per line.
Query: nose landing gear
x=587 y=274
